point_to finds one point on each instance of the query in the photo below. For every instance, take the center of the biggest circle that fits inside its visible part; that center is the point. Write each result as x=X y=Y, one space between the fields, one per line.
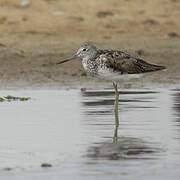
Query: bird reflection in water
x=115 y=137
x=98 y=111
x=100 y=104
x=124 y=148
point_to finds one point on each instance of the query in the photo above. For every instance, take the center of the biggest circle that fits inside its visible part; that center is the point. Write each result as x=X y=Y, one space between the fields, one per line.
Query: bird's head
x=86 y=50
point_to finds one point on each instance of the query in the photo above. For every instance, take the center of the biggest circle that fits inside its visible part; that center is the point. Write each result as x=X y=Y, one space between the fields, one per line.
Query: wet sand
x=35 y=37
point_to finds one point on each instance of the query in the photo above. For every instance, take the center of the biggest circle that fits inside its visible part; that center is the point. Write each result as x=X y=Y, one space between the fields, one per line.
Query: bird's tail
x=147 y=67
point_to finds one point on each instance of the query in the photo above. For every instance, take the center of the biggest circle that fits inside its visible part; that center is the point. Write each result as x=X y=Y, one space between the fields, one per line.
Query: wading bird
x=111 y=65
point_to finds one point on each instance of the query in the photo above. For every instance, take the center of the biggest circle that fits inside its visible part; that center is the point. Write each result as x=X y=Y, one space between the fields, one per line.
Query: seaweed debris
x=10 y=98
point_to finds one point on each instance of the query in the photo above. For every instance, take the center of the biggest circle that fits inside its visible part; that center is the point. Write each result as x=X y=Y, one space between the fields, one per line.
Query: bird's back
x=122 y=62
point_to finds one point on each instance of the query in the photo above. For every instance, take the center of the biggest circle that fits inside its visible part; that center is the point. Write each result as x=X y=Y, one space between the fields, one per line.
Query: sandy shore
x=35 y=37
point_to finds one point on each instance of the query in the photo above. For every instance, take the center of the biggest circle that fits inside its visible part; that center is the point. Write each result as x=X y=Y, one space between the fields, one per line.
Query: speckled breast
x=90 y=66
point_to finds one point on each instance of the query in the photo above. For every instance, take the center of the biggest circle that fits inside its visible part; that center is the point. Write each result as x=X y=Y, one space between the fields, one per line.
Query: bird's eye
x=84 y=49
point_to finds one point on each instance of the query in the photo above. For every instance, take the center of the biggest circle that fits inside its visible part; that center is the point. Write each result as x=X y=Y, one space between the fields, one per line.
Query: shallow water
x=74 y=131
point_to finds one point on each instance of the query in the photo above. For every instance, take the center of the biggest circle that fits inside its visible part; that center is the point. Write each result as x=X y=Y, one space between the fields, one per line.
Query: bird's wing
x=125 y=63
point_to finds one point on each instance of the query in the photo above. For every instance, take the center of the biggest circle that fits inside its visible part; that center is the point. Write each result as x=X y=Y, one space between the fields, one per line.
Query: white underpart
x=84 y=65
x=108 y=74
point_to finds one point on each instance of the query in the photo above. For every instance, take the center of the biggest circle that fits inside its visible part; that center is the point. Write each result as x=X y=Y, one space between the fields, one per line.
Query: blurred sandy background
x=35 y=34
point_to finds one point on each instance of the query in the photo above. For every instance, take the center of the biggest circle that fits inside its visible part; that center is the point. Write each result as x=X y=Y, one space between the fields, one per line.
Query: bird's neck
x=89 y=65
x=90 y=56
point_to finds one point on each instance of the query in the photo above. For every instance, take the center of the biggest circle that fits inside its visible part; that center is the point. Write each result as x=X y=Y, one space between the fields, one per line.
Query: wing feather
x=125 y=63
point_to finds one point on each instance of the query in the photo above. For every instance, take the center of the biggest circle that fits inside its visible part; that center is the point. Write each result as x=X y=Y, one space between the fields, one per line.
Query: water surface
x=73 y=131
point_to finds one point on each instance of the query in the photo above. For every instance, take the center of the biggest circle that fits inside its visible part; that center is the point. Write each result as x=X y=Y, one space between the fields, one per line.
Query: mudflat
x=37 y=35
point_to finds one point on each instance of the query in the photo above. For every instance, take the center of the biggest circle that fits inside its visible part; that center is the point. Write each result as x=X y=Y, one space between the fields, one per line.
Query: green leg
x=116 y=111
x=116 y=105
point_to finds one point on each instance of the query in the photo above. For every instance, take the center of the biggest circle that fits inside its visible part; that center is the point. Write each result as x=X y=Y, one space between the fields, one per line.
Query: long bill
x=68 y=59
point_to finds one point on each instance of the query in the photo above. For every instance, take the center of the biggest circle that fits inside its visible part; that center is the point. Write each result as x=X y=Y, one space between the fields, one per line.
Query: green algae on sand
x=10 y=98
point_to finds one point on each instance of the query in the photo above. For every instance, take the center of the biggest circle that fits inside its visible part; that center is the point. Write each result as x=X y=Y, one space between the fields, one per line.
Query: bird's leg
x=116 y=105
x=116 y=109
